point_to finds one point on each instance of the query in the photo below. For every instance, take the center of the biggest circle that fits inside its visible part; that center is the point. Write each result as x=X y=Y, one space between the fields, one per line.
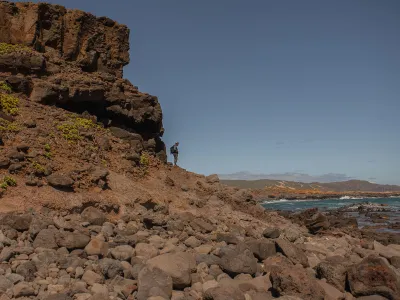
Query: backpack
x=172 y=149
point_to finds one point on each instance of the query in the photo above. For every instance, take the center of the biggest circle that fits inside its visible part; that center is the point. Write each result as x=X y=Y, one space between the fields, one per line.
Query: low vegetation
x=7 y=182
x=5 y=87
x=8 y=126
x=10 y=48
x=72 y=129
x=9 y=104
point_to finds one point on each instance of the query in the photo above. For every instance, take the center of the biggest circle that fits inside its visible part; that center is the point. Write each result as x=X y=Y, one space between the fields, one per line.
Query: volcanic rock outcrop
x=75 y=60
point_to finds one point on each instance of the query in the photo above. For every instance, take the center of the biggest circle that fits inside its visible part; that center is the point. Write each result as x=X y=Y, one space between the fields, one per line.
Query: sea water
x=393 y=203
x=328 y=204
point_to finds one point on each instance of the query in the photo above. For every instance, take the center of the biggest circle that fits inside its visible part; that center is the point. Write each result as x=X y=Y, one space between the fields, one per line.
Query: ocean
x=329 y=204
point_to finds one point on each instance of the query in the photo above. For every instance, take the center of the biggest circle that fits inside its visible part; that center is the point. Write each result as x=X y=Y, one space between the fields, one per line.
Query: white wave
x=350 y=198
x=275 y=201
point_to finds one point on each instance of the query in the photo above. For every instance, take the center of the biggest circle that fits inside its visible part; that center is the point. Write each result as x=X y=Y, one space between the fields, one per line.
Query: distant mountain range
x=342 y=186
x=290 y=176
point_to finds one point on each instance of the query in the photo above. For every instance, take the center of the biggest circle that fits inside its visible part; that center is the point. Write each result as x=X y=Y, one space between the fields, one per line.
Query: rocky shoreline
x=149 y=253
x=322 y=196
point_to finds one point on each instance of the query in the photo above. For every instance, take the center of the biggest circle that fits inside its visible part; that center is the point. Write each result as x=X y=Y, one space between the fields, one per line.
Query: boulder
x=386 y=251
x=111 y=268
x=153 y=280
x=93 y=216
x=271 y=232
x=5 y=284
x=212 y=179
x=27 y=271
x=192 y=242
x=146 y=250
x=91 y=277
x=23 y=289
x=177 y=265
x=20 y=222
x=395 y=261
x=317 y=223
x=295 y=281
x=123 y=252
x=72 y=240
x=97 y=246
x=292 y=252
x=60 y=181
x=224 y=293
x=331 y=292
x=46 y=238
x=373 y=276
x=262 y=248
x=334 y=270
x=237 y=260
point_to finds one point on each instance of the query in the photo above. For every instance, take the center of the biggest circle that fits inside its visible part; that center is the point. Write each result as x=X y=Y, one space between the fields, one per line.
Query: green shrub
x=47 y=148
x=144 y=159
x=9 y=48
x=8 y=181
x=8 y=126
x=38 y=168
x=5 y=87
x=9 y=104
x=71 y=130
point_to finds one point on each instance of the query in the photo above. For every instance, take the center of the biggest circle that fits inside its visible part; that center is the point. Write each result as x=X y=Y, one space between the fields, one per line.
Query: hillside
x=344 y=186
x=90 y=210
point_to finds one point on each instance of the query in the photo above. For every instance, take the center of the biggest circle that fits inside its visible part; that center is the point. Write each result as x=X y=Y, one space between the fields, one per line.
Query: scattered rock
x=262 y=248
x=212 y=178
x=295 y=281
x=334 y=270
x=153 y=280
x=94 y=216
x=238 y=260
x=72 y=240
x=373 y=276
x=60 y=181
x=271 y=232
x=177 y=265
x=294 y=254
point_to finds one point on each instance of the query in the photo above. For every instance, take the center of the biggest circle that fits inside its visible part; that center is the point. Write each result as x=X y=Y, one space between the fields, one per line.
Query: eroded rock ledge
x=74 y=60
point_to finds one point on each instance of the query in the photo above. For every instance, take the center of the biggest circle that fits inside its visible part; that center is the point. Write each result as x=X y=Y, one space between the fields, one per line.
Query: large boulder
x=46 y=238
x=178 y=265
x=238 y=259
x=291 y=251
x=94 y=216
x=295 y=281
x=224 y=293
x=154 y=282
x=20 y=222
x=334 y=270
x=373 y=276
x=72 y=240
x=60 y=181
x=317 y=223
x=262 y=248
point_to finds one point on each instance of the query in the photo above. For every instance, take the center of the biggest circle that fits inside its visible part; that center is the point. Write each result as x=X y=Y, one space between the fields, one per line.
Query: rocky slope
x=90 y=210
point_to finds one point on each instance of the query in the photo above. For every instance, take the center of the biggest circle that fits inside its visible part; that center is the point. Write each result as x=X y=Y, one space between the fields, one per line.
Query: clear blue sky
x=270 y=86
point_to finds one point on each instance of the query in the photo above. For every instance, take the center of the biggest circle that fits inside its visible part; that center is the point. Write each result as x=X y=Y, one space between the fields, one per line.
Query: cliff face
x=75 y=60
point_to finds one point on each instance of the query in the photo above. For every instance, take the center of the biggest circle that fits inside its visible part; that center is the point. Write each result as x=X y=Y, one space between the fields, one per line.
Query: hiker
x=174 y=151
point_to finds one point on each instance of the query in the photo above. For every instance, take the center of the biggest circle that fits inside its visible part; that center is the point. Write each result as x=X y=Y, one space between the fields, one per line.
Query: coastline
x=262 y=196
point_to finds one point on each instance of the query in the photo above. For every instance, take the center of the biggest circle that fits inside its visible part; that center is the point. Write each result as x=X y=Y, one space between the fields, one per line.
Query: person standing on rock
x=174 y=151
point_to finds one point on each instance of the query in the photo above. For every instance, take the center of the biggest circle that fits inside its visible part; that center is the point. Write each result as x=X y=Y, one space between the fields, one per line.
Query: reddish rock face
x=75 y=60
x=97 y=44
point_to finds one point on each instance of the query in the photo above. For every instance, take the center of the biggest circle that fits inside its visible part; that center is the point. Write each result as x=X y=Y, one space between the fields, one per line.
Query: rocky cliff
x=74 y=60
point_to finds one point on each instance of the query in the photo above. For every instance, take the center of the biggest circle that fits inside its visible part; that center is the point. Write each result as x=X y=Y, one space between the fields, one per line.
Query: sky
x=270 y=87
